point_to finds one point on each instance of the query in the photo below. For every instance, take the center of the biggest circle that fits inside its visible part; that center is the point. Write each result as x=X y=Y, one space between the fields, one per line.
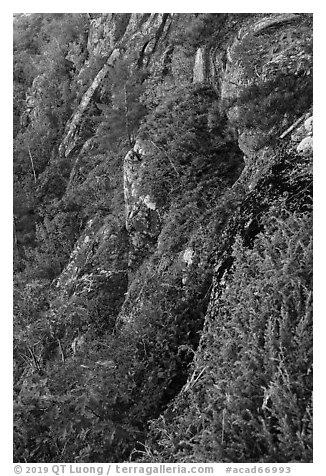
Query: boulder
x=306 y=146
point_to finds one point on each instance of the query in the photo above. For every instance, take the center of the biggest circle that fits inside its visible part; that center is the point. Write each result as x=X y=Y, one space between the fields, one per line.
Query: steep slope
x=248 y=397
x=170 y=278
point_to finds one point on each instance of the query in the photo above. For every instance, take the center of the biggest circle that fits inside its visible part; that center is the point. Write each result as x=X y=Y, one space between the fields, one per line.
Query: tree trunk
x=69 y=141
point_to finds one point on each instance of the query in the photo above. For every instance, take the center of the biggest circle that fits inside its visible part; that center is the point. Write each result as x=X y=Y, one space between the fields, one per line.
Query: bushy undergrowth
x=276 y=78
x=78 y=410
x=249 y=398
x=107 y=350
x=249 y=395
x=263 y=105
x=100 y=394
x=192 y=147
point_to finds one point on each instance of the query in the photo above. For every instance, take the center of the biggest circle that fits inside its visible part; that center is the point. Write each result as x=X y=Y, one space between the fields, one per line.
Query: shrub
x=250 y=395
x=263 y=105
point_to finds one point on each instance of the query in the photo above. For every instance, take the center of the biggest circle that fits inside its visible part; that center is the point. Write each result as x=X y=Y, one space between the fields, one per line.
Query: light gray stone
x=306 y=146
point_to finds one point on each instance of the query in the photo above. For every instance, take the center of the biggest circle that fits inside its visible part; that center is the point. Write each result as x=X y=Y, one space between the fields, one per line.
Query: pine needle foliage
x=252 y=401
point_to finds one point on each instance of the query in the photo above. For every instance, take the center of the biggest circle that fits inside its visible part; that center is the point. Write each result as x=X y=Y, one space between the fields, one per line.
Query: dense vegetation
x=141 y=356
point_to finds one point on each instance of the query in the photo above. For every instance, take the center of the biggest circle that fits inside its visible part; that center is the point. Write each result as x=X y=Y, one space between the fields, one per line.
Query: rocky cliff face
x=142 y=216
x=224 y=69
x=109 y=36
x=221 y=200
x=277 y=176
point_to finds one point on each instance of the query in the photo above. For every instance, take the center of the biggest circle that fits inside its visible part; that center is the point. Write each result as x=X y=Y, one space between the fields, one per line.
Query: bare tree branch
x=30 y=156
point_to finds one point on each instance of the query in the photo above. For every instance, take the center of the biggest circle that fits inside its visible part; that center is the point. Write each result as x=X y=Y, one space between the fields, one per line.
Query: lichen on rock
x=176 y=205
